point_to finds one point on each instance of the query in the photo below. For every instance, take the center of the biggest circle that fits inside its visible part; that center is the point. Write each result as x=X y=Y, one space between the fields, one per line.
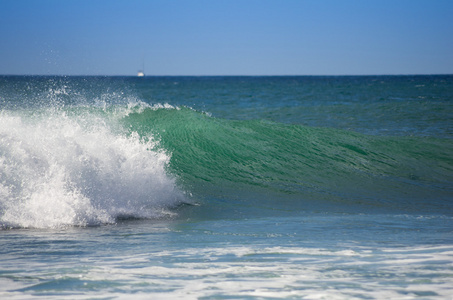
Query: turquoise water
x=226 y=187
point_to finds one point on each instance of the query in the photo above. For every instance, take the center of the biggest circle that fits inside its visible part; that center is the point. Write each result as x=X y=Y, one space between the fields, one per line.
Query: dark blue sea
x=325 y=187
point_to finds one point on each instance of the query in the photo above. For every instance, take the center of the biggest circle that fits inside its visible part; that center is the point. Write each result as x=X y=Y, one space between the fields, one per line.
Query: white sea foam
x=58 y=170
x=287 y=272
x=242 y=272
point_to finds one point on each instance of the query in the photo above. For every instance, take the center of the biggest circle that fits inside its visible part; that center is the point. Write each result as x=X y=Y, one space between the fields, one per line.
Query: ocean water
x=226 y=187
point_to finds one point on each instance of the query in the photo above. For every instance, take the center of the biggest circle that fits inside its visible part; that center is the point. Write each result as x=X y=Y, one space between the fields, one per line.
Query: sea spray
x=59 y=169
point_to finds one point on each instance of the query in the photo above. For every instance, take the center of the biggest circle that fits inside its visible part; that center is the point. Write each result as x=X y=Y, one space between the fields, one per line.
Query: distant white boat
x=141 y=72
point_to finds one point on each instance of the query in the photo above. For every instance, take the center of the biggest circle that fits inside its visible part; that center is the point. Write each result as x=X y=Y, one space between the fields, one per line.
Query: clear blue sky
x=226 y=37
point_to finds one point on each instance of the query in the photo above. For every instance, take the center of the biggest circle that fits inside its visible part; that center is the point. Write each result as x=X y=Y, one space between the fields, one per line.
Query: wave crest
x=59 y=170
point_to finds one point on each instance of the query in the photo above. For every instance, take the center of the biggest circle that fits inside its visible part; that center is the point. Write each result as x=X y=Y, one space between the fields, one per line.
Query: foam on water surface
x=248 y=272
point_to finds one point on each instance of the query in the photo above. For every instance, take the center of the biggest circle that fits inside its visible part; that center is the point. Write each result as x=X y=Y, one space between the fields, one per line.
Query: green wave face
x=306 y=164
x=94 y=150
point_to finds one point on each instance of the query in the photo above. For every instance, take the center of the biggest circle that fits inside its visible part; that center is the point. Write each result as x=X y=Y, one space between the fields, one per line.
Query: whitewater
x=226 y=187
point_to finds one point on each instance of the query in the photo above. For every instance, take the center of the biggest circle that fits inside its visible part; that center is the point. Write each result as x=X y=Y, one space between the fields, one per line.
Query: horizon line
x=243 y=75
